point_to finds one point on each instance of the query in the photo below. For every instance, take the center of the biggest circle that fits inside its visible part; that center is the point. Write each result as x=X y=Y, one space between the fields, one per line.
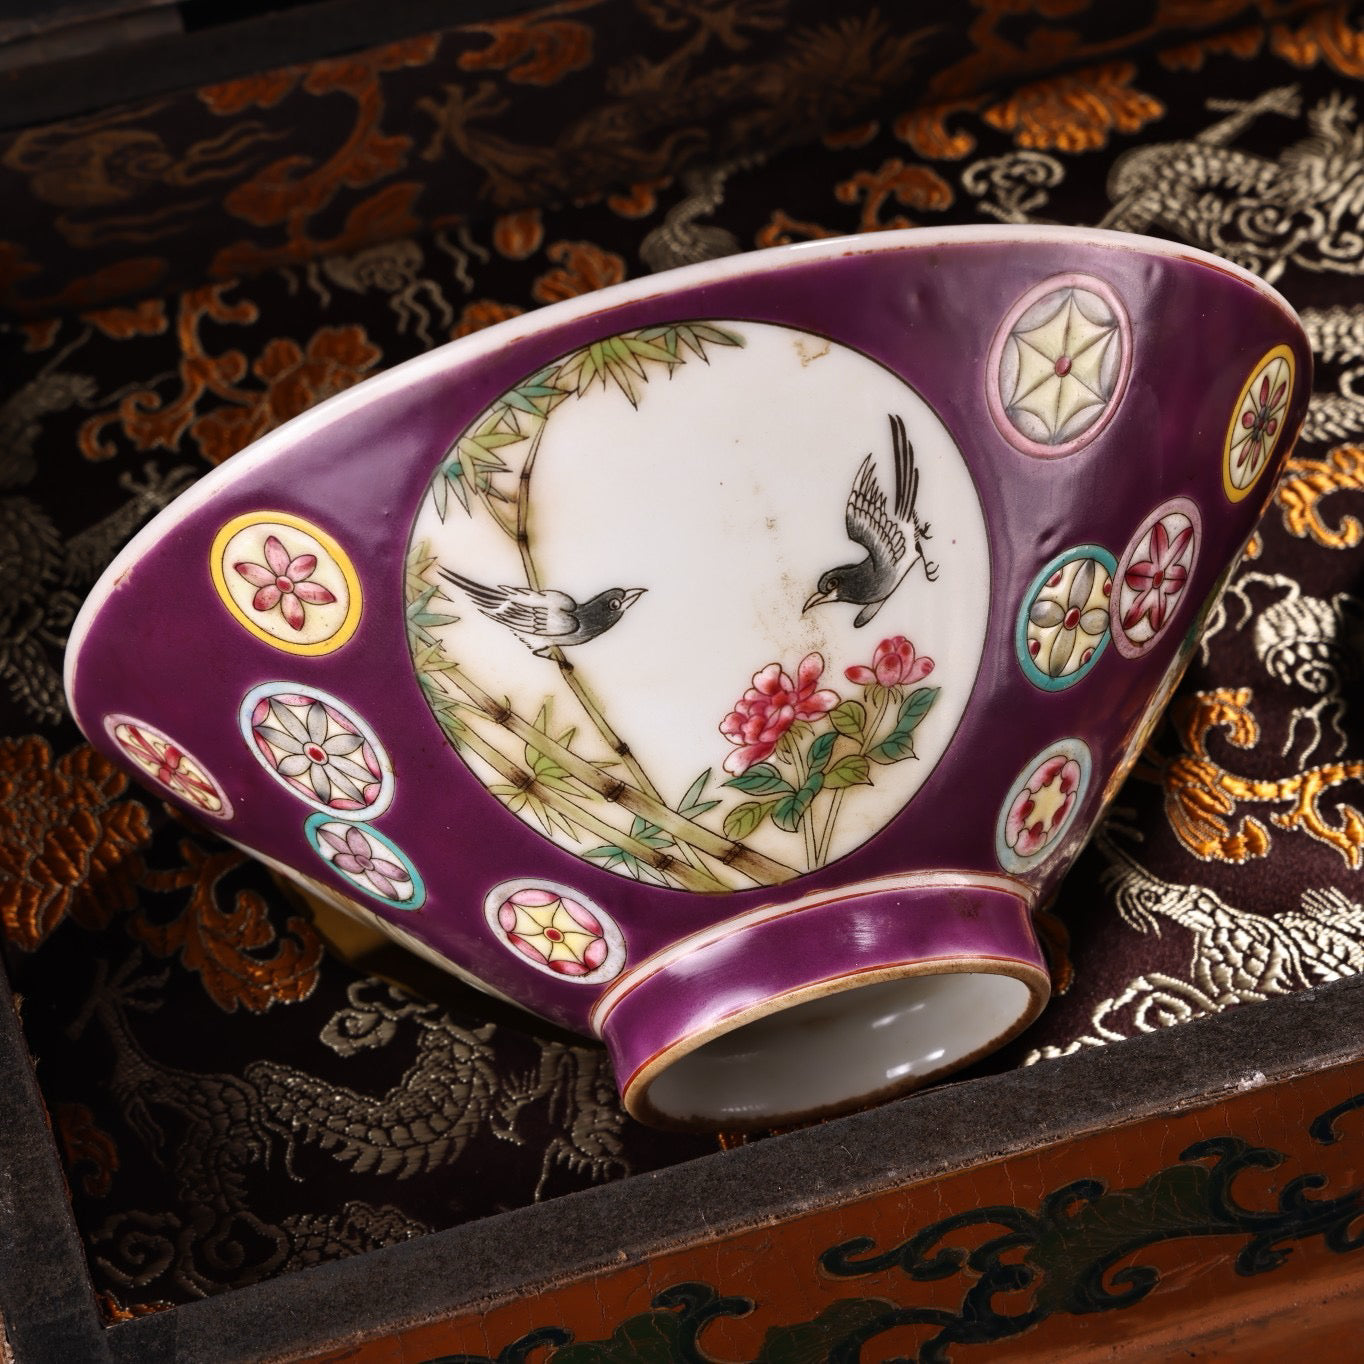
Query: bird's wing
x=906 y=474
x=869 y=521
x=521 y=609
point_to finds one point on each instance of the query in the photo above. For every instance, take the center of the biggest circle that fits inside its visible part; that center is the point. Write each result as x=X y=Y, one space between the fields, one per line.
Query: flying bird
x=543 y=620
x=884 y=531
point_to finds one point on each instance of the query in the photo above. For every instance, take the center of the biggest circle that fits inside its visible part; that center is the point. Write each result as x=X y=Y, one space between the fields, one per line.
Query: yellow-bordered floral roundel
x=1257 y=422
x=286 y=581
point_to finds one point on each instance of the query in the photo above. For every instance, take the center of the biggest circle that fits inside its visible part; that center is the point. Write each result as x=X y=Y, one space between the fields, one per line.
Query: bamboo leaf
x=642 y=831
x=850 y=770
x=743 y=819
x=622 y=353
x=607 y=853
x=647 y=350
x=717 y=336
x=691 y=805
x=761 y=779
x=850 y=718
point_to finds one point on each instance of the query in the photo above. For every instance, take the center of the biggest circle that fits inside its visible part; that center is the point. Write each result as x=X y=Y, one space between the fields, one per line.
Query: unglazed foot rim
x=657 y=1092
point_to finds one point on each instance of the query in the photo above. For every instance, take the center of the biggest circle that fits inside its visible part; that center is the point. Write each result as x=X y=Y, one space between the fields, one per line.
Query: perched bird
x=884 y=532
x=544 y=620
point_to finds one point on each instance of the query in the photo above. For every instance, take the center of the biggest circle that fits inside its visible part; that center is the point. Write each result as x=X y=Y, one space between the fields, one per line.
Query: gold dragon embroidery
x=1203 y=798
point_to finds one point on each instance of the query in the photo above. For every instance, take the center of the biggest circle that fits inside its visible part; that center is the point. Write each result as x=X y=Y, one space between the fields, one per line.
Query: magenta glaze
x=1198 y=380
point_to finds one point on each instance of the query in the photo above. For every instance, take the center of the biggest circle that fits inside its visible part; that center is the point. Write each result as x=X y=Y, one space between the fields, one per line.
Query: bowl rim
x=470 y=349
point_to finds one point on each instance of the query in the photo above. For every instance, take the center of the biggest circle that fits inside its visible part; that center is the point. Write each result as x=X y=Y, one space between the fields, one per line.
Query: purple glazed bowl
x=728 y=663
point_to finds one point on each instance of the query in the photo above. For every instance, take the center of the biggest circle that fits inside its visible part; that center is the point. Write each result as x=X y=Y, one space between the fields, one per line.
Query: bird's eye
x=615 y=603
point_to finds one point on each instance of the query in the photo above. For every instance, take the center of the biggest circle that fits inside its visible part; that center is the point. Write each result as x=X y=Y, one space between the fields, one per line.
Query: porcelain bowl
x=729 y=663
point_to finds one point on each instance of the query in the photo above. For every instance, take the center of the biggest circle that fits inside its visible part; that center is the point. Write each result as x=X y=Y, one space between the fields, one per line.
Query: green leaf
x=743 y=819
x=897 y=744
x=692 y=806
x=850 y=770
x=817 y=759
x=762 y=779
x=892 y=749
x=790 y=810
x=642 y=831
x=917 y=705
x=646 y=350
x=608 y=853
x=850 y=718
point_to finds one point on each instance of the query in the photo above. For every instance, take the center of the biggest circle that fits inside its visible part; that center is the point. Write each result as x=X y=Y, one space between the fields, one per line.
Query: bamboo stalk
x=586 y=700
x=760 y=869
x=524 y=780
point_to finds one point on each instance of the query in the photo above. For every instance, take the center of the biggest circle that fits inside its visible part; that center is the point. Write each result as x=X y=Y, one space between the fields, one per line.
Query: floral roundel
x=1042 y=805
x=287 y=582
x=367 y=860
x=1063 y=626
x=318 y=748
x=556 y=930
x=1257 y=422
x=1153 y=575
x=169 y=765
x=1059 y=364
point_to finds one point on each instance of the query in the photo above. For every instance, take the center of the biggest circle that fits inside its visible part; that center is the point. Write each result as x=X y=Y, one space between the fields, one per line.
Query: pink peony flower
x=283 y=582
x=893 y=664
x=770 y=707
x=1033 y=822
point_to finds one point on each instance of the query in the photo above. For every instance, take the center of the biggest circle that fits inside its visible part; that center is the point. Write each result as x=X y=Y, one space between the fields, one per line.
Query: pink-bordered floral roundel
x=1059 y=364
x=169 y=765
x=317 y=748
x=1152 y=581
x=555 y=930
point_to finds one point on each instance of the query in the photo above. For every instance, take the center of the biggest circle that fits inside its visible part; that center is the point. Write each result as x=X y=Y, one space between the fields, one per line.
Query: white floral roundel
x=702 y=603
x=1059 y=364
x=1042 y=805
x=319 y=749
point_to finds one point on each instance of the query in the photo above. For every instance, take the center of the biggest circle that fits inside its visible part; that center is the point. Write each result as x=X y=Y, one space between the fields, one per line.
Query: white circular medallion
x=703 y=604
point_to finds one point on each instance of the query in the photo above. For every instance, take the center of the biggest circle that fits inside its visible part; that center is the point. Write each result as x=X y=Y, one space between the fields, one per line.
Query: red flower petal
x=256 y=574
x=808 y=673
x=276 y=556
